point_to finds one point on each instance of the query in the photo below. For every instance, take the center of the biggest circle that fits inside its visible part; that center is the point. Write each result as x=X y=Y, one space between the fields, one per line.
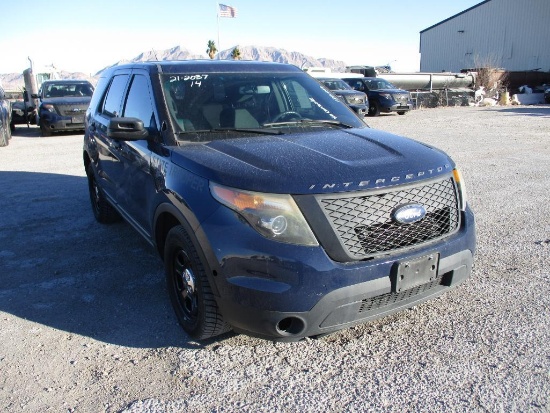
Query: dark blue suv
x=383 y=96
x=63 y=104
x=277 y=211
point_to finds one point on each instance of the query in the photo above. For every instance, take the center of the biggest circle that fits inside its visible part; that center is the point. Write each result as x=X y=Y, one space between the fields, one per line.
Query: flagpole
x=218 y=14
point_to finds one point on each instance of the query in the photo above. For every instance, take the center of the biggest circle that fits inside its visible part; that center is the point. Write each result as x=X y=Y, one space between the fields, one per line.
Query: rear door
x=137 y=188
x=110 y=159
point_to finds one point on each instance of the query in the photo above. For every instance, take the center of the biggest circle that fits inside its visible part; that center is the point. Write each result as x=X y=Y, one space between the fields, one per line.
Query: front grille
x=384 y=300
x=69 y=110
x=364 y=225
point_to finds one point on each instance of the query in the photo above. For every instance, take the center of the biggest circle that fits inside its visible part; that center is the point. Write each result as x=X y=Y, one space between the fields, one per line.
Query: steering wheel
x=289 y=115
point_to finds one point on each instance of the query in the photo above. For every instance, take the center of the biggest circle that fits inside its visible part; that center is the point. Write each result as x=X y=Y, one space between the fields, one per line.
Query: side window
x=139 y=104
x=113 y=100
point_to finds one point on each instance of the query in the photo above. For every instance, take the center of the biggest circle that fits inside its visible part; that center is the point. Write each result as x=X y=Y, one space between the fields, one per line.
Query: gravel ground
x=86 y=325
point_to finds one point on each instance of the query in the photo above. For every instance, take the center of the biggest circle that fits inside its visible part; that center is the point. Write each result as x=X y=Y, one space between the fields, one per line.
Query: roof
x=456 y=15
x=68 y=81
x=209 y=66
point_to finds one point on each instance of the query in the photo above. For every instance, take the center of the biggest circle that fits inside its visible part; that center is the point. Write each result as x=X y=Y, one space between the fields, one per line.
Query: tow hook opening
x=291 y=326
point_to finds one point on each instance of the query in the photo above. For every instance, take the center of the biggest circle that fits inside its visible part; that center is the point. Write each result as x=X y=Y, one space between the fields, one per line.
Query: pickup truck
x=277 y=211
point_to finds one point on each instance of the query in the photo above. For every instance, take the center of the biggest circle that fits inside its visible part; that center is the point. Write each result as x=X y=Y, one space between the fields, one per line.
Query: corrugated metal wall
x=509 y=34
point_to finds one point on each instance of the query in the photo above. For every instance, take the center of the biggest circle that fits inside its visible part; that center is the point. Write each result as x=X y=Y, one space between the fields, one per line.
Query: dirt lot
x=86 y=325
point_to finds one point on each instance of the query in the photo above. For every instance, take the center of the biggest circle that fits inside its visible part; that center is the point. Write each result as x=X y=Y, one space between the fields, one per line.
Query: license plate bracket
x=411 y=273
x=77 y=119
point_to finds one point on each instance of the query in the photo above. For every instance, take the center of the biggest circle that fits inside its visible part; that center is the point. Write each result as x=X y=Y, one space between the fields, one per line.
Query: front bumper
x=58 y=123
x=396 y=107
x=360 y=110
x=297 y=292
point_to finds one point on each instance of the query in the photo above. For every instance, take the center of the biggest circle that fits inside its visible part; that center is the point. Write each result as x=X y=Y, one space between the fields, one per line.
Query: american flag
x=227 y=11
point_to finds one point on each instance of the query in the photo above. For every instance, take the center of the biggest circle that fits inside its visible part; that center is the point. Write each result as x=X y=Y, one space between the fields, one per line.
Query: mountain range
x=14 y=81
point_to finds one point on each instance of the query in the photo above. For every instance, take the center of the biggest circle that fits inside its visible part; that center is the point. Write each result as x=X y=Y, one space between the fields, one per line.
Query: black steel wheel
x=103 y=211
x=189 y=289
x=374 y=108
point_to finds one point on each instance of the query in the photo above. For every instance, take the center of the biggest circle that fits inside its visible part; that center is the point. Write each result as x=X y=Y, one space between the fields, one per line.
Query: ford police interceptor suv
x=277 y=212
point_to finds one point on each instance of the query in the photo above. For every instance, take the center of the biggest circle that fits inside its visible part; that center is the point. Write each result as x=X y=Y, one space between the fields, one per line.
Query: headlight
x=48 y=107
x=275 y=216
x=461 y=188
x=355 y=100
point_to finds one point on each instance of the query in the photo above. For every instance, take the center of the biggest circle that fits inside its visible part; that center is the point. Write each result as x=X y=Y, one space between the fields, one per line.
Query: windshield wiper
x=246 y=130
x=310 y=122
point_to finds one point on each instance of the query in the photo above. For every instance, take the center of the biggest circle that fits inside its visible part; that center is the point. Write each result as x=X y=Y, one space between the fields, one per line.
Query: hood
x=67 y=100
x=314 y=162
x=390 y=91
x=347 y=92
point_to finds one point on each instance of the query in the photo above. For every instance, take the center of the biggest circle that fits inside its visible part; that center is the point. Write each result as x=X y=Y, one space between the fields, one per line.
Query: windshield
x=336 y=84
x=376 y=84
x=253 y=101
x=57 y=90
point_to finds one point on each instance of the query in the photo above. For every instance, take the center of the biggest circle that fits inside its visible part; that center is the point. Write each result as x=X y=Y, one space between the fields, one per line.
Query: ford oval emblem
x=408 y=213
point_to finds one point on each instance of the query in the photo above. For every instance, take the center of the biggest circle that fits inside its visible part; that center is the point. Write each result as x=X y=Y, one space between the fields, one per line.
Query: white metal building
x=510 y=34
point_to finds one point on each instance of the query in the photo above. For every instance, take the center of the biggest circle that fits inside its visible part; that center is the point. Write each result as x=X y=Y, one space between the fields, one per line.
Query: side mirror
x=127 y=129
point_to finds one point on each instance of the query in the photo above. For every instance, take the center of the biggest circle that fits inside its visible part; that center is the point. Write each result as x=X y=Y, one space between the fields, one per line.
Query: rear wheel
x=374 y=108
x=104 y=212
x=189 y=289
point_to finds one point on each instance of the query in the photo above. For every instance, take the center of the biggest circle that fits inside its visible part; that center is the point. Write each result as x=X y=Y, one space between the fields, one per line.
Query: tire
x=103 y=211
x=401 y=112
x=44 y=130
x=374 y=108
x=189 y=289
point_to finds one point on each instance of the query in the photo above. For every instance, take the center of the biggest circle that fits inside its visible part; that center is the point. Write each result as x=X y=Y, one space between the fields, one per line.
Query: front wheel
x=189 y=289
x=374 y=108
x=401 y=112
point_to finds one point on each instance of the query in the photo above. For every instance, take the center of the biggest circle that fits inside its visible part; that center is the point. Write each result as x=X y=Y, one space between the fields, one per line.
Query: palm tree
x=236 y=53
x=211 y=49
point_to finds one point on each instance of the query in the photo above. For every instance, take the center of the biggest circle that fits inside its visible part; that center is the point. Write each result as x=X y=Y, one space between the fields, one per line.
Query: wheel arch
x=167 y=216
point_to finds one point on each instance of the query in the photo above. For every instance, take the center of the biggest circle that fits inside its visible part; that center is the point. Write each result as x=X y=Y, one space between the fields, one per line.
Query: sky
x=86 y=36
